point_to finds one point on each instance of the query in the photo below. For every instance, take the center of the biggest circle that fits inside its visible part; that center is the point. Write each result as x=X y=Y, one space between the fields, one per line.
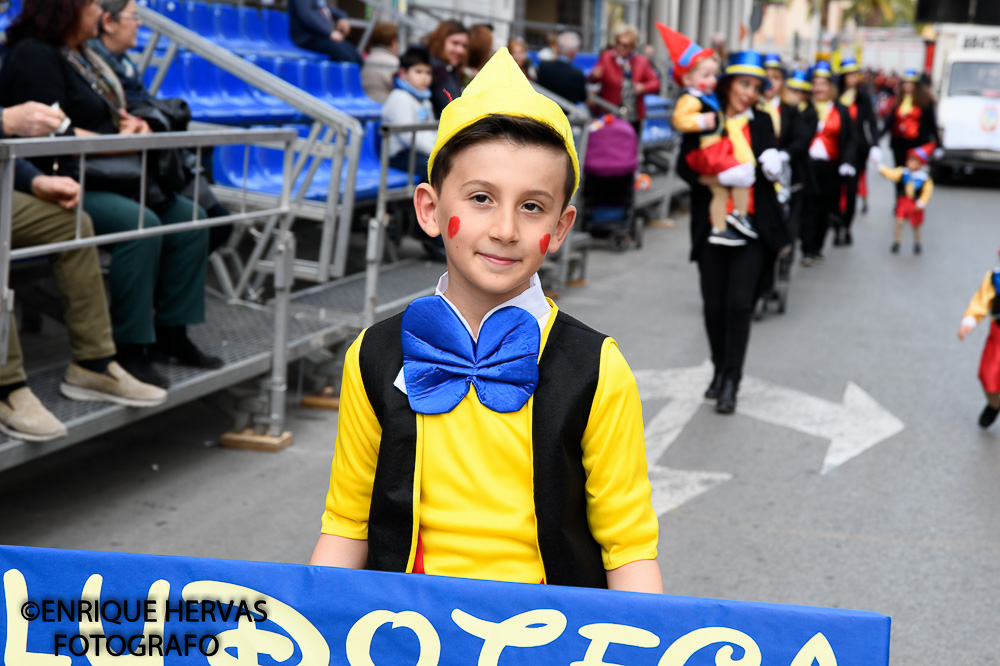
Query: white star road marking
x=853 y=426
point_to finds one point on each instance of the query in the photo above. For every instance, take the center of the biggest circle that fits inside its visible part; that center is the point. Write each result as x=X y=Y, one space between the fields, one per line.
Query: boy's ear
x=563 y=227
x=425 y=203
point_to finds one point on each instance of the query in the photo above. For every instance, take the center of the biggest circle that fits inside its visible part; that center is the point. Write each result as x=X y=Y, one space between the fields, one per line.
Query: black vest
x=569 y=369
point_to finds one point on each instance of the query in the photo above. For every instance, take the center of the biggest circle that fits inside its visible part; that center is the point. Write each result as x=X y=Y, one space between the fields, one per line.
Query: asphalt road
x=906 y=526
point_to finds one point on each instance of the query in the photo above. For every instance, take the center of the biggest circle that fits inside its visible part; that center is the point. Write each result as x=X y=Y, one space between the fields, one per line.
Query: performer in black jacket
x=864 y=125
x=830 y=153
x=730 y=276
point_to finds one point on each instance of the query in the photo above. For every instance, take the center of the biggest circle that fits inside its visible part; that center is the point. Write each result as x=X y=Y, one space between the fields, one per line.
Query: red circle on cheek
x=453 y=226
x=543 y=243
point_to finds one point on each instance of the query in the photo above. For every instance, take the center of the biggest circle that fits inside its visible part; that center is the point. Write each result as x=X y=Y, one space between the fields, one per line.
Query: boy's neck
x=473 y=306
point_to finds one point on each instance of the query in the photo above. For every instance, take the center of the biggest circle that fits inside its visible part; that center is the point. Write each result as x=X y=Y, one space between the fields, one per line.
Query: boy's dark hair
x=414 y=56
x=517 y=130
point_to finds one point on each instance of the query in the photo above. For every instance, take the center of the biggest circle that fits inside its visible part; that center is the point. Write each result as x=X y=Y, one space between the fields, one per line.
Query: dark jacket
x=865 y=129
x=564 y=79
x=311 y=18
x=767 y=216
x=848 y=147
x=445 y=78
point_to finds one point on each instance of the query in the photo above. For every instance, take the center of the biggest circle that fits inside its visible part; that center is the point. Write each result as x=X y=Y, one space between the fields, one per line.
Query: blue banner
x=77 y=608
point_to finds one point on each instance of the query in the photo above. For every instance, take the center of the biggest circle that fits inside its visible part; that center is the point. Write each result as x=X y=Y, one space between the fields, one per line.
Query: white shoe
x=24 y=417
x=115 y=385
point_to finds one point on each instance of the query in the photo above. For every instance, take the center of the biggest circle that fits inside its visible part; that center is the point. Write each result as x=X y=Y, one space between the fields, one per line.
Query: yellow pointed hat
x=501 y=88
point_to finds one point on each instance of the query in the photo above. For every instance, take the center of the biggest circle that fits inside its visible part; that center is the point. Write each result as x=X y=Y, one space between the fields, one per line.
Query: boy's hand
x=965 y=329
x=708 y=121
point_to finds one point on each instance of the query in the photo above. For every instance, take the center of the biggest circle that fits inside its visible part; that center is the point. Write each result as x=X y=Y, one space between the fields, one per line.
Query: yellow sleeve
x=895 y=175
x=353 y=471
x=927 y=191
x=686 y=114
x=619 y=496
x=982 y=302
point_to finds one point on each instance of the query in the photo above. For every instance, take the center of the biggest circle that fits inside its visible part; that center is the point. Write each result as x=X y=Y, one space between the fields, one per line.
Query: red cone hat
x=684 y=53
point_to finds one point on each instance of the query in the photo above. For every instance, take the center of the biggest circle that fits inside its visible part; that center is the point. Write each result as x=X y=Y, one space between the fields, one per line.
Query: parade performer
x=830 y=152
x=864 y=126
x=697 y=115
x=730 y=277
x=913 y=122
x=483 y=433
x=917 y=187
x=985 y=304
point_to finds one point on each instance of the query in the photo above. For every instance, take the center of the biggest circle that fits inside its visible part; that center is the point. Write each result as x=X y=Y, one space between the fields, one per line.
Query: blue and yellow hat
x=773 y=61
x=501 y=88
x=745 y=63
x=848 y=65
x=800 y=80
x=911 y=76
x=822 y=70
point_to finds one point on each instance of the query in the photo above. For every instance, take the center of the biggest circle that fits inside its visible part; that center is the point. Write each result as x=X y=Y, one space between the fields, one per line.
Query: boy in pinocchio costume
x=716 y=159
x=483 y=433
x=986 y=304
x=917 y=190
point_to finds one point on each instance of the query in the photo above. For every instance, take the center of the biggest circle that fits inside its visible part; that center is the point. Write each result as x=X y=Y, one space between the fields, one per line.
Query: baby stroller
x=609 y=186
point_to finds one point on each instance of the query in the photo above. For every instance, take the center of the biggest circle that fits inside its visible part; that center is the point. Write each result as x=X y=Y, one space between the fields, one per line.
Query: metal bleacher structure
x=278 y=124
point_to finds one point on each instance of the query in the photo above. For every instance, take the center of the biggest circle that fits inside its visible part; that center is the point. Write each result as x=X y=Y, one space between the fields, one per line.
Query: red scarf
x=830 y=134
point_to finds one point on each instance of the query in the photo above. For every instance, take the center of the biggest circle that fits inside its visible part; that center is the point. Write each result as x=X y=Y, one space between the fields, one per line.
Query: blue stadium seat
x=586 y=61
x=236 y=94
x=173 y=83
x=203 y=95
x=201 y=21
x=279 y=110
x=226 y=24
x=176 y=11
x=276 y=29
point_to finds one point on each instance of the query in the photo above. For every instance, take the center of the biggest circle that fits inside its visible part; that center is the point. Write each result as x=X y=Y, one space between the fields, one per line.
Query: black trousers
x=729 y=280
x=821 y=207
x=847 y=216
x=338 y=51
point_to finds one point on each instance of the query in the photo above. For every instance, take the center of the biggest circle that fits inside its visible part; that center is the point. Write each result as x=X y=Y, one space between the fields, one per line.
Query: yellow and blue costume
x=548 y=482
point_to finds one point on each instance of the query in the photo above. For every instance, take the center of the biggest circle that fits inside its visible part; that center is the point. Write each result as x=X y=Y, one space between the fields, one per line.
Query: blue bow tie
x=440 y=358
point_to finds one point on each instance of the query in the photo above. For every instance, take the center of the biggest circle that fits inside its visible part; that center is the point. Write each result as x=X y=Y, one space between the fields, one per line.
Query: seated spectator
x=157 y=283
x=118 y=30
x=551 y=49
x=42 y=214
x=519 y=52
x=315 y=26
x=561 y=76
x=447 y=45
x=408 y=104
x=479 y=51
x=378 y=74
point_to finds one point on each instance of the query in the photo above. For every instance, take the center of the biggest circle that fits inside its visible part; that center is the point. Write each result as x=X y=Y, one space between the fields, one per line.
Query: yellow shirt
x=476 y=503
x=981 y=304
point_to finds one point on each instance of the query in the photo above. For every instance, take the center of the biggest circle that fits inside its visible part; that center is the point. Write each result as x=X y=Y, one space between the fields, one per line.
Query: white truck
x=966 y=80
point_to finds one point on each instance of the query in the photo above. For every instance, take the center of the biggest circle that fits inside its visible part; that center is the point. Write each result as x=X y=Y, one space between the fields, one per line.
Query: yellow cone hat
x=501 y=88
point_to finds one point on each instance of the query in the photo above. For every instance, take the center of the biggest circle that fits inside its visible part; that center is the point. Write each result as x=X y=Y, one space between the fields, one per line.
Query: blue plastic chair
x=586 y=61
x=203 y=95
x=280 y=112
x=226 y=25
x=367 y=108
x=176 y=11
x=251 y=25
x=173 y=83
x=236 y=94
x=201 y=20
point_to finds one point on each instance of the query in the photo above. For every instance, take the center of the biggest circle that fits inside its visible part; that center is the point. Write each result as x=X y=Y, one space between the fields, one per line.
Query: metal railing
x=333 y=135
x=83 y=147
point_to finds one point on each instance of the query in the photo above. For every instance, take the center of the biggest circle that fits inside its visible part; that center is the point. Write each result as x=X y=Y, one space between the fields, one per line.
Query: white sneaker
x=24 y=417
x=116 y=385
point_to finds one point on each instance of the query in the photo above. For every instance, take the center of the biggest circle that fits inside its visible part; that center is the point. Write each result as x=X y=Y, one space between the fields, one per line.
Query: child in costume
x=697 y=114
x=917 y=189
x=985 y=304
x=483 y=433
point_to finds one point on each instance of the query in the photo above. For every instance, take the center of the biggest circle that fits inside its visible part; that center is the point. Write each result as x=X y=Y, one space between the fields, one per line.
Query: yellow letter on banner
x=359 y=638
x=514 y=632
x=251 y=641
x=685 y=646
x=97 y=650
x=602 y=635
x=817 y=650
x=16 y=653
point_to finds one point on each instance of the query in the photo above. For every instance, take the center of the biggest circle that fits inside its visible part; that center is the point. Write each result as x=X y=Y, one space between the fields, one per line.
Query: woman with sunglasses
x=626 y=76
x=730 y=277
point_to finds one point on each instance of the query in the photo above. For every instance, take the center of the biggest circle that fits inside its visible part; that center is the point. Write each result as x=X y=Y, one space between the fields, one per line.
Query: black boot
x=712 y=393
x=173 y=343
x=137 y=362
x=727 y=395
x=988 y=416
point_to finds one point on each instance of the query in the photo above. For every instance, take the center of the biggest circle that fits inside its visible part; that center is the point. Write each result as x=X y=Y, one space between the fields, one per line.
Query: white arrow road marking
x=853 y=426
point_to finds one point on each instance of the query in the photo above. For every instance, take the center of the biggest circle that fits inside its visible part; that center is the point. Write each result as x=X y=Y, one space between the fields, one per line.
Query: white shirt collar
x=531 y=300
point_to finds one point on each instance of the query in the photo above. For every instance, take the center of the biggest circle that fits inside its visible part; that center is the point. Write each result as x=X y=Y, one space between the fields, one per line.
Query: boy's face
x=914 y=164
x=418 y=76
x=500 y=212
x=703 y=76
